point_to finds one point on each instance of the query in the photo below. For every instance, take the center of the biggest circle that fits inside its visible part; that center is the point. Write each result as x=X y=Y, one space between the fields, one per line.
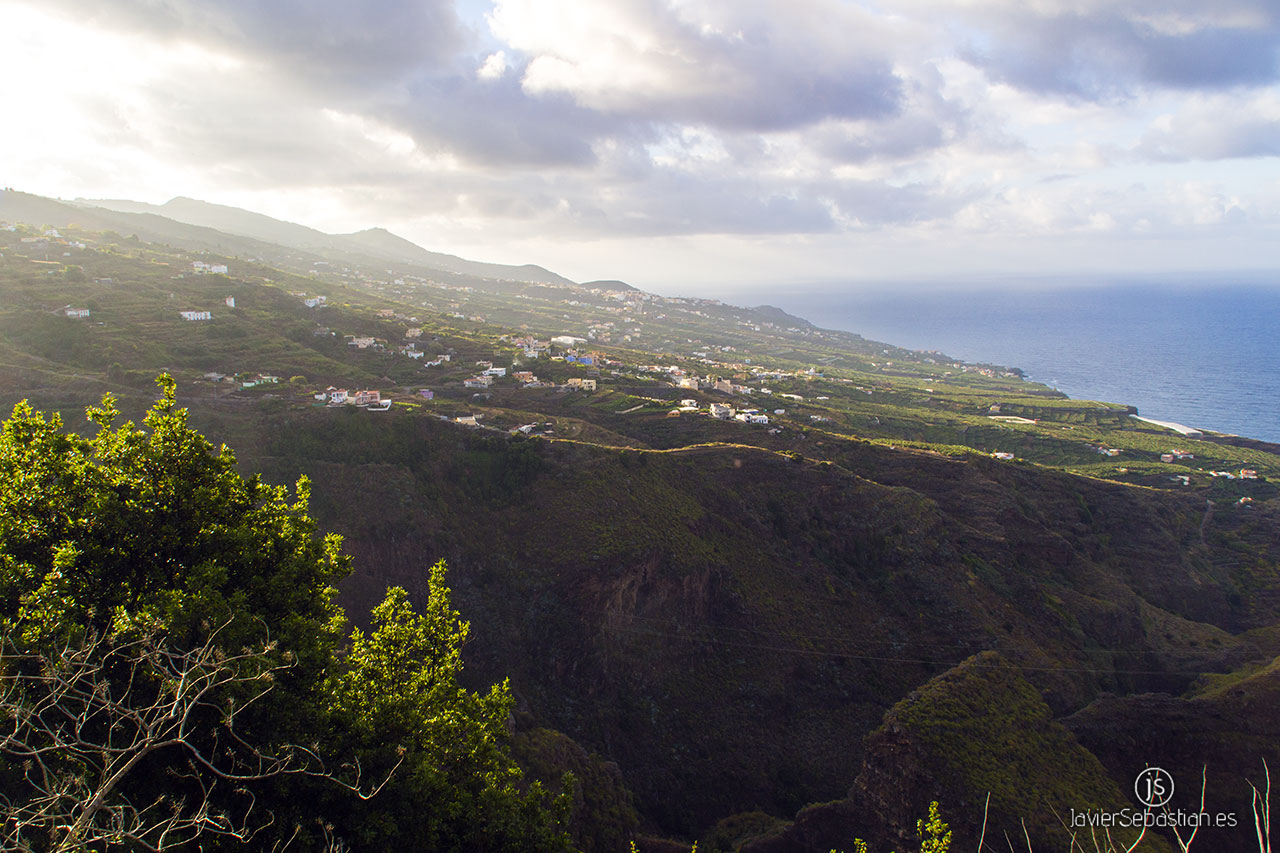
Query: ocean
x=1206 y=357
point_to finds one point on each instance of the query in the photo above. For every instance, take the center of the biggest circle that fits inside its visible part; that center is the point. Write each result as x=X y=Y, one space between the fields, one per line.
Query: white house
x=77 y=313
x=722 y=412
x=196 y=315
x=231 y=301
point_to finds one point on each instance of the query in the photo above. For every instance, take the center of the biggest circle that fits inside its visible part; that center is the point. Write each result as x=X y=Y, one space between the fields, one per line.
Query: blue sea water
x=1207 y=357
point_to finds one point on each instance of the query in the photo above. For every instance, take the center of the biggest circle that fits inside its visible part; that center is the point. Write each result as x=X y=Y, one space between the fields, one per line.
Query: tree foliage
x=174 y=673
x=462 y=790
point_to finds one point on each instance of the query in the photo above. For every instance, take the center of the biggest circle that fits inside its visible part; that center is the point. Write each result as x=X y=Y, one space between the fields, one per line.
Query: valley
x=763 y=585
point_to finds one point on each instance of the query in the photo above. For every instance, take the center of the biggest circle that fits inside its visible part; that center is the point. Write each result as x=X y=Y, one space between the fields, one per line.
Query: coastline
x=1179 y=355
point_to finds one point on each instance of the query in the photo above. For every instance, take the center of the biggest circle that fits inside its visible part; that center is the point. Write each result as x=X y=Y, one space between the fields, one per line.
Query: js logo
x=1154 y=787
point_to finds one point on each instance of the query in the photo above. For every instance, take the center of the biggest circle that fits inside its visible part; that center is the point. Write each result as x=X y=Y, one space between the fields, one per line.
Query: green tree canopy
x=175 y=673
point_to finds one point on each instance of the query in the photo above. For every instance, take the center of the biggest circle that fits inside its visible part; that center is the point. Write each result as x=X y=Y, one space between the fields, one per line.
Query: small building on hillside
x=196 y=315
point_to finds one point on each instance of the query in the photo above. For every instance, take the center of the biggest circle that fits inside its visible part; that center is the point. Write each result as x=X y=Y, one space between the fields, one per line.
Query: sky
x=680 y=145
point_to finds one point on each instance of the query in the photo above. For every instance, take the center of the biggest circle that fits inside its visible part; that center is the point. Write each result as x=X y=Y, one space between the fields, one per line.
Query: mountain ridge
x=377 y=243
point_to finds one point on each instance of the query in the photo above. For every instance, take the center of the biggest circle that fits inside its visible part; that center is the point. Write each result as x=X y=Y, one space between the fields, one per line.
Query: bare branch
x=84 y=720
x=1262 y=811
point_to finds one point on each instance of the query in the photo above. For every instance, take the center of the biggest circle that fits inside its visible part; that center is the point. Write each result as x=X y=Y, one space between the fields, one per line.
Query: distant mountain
x=609 y=284
x=146 y=226
x=230 y=220
x=383 y=243
x=777 y=315
x=374 y=244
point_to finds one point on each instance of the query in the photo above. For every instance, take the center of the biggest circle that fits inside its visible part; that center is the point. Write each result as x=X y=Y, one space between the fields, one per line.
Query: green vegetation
x=935 y=835
x=714 y=616
x=175 y=670
x=984 y=728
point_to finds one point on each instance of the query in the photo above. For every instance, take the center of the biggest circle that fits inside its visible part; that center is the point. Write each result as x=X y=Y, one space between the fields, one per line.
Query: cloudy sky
x=680 y=144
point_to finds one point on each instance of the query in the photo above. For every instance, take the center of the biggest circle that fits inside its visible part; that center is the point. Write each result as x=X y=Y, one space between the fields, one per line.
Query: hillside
x=375 y=243
x=732 y=615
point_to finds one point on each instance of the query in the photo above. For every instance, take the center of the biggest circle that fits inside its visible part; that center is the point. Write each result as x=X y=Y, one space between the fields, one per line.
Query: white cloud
x=940 y=126
x=1214 y=127
x=495 y=65
x=730 y=64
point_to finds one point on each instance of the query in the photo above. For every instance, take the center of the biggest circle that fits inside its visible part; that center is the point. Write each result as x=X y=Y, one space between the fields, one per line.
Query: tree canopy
x=175 y=673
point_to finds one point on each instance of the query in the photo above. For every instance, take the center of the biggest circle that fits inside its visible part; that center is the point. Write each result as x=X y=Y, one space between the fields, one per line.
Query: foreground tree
x=461 y=789
x=174 y=673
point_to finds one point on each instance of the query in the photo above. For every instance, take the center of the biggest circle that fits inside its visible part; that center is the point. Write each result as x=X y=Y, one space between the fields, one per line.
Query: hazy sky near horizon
x=674 y=143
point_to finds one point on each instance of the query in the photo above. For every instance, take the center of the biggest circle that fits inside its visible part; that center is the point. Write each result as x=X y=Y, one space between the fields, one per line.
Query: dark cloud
x=736 y=67
x=494 y=122
x=329 y=39
x=766 y=92
x=1114 y=53
x=1213 y=59
x=925 y=122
